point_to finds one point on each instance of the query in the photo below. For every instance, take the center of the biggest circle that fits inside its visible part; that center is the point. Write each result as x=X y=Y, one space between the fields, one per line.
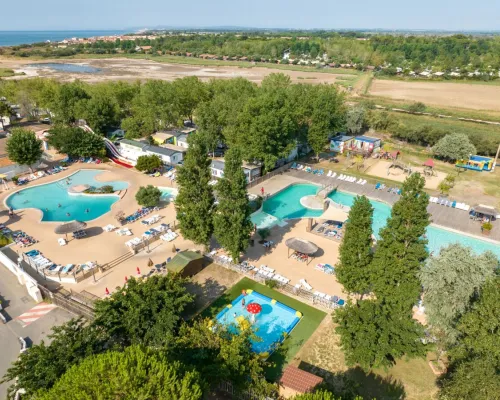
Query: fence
x=70 y=301
x=277 y=171
x=284 y=287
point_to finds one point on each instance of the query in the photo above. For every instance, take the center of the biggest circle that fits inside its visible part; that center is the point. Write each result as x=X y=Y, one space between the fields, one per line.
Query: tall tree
x=189 y=92
x=41 y=366
x=355 y=252
x=144 y=312
x=195 y=201
x=65 y=103
x=456 y=146
x=136 y=373
x=401 y=250
x=23 y=147
x=232 y=224
x=450 y=281
x=76 y=142
x=474 y=369
x=100 y=112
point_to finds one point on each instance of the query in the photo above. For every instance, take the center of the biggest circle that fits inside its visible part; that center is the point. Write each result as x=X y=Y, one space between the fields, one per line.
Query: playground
x=397 y=170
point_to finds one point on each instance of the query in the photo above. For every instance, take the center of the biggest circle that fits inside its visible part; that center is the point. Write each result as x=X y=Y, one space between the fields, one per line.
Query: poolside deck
x=447 y=217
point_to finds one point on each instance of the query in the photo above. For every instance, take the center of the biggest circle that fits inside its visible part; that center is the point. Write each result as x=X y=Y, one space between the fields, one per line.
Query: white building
x=169 y=154
x=251 y=171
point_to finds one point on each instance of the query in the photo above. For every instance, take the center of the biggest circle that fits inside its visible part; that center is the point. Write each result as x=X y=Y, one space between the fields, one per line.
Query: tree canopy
x=23 y=147
x=76 y=142
x=136 y=373
x=148 y=163
x=148 y=196
x=450 y=281
x=195 y=202
x=355 y=251
x=232 y=224
x=456 y=146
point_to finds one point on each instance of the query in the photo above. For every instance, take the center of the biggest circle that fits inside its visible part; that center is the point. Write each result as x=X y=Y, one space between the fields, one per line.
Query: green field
x=311 y=319
x=6 y=72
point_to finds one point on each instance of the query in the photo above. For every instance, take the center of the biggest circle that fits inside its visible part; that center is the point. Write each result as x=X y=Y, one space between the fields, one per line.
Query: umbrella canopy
x=302 y=246
x=70 y=227
x=429 y=163
x=254 y=308
x=486 y=210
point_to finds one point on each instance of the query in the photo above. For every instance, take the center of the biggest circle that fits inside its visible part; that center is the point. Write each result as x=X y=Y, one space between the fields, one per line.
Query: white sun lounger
x=305 y=284
x=334 y=175
x=109 y=228
x=329 y=173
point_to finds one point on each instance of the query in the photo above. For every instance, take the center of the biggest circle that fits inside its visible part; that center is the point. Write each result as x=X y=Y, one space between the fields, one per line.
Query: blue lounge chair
x=377 y=186
x=454 y=204
x=294 y=166
x=341 y=302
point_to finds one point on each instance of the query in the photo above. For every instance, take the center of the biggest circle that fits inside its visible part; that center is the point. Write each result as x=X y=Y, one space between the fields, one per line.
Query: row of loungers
x=449 y=203
x=330 y=299
x=49 y=267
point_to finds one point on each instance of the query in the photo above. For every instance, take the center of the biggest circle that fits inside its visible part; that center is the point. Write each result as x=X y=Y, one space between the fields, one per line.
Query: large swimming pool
x=57 y=204
x=271 y=325
x=286 y=205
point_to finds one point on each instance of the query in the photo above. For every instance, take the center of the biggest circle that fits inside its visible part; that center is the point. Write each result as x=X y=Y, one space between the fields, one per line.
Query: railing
x=277 y=171
x=66 y=300
x=284 y=287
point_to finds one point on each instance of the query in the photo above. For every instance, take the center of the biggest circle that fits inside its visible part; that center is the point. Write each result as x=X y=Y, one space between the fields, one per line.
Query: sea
x=12 y=38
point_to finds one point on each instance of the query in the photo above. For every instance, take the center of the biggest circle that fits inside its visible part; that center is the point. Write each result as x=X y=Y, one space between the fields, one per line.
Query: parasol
x=254 y=309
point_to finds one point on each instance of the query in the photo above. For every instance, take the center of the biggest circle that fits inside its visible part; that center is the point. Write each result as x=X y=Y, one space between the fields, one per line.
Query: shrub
x=271 y=283
x=264 y=233
x=444 y=187
x=148 y=196
x=487 y=226
x=417 y=107
x=148 y=163
x=450 y=180
x=107 y=189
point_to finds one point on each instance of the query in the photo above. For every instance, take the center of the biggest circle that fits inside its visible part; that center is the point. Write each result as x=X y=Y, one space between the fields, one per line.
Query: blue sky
x=329 y=14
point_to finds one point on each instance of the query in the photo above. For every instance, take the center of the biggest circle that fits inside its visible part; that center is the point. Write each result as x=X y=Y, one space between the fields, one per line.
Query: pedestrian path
x=36 y=312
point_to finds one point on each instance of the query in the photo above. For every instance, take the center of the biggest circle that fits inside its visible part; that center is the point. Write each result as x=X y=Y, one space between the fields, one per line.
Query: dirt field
x=133 y=69
x=474 y=96
x=380 y=169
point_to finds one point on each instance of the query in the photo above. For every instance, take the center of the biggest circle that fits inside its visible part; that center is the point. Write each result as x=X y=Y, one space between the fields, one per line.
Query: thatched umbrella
x=70 y=227
x=302 y=246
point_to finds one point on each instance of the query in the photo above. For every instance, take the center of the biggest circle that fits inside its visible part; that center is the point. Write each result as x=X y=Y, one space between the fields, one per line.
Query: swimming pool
x=55 y=202
x=271 y=325
x=168 y=194
x=286 y=205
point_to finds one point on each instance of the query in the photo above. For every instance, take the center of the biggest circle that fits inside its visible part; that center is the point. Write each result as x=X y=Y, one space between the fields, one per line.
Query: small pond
x=65 y=67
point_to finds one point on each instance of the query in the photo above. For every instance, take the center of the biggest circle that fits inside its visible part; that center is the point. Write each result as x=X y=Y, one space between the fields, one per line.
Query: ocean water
x=55 y=202
x=12 y=38
x=286 y=205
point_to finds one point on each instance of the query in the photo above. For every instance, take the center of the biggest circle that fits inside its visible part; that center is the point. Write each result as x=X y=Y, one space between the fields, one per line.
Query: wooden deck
x=447 y=217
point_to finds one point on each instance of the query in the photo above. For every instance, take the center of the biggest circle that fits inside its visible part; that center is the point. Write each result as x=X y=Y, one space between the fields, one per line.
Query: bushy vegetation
x=148 y=196
x=148 y=163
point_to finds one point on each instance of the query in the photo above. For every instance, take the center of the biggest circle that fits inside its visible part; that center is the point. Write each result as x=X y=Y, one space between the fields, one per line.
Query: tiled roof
x=299 y=380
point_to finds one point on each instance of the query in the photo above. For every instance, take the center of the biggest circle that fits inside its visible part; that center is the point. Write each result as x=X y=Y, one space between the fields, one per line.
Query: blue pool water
x=286 y=205
x=74 y=68
x=48 y=197
x=270 y=325
x=168 y=194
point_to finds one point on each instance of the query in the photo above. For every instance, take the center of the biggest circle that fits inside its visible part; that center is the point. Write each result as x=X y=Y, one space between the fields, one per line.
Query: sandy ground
x=475 y=96
x=133 y=69
x=396 y=174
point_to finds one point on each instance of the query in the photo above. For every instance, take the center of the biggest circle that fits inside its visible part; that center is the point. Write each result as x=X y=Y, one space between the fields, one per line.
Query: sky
x=306 y=14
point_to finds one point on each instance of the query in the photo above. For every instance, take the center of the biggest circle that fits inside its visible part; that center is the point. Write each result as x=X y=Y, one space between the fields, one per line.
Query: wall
x=23 y=278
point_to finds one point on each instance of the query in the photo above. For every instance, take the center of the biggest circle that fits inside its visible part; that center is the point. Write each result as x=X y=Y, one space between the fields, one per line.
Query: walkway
x=445 y=216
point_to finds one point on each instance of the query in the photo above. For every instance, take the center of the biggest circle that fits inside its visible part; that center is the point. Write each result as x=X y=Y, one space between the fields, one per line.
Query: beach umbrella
x=70 y=227
x=254 y=309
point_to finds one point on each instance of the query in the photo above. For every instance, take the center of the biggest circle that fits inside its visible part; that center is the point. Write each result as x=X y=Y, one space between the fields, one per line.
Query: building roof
x=182 y=259
x=134 y=143
x=162 y=135
x=367 y=139
x=163 y=150
x=342 y=138
x=174 y=147
x=218 y=164
x=299 y=380
x=429 y=163
x=250 y=166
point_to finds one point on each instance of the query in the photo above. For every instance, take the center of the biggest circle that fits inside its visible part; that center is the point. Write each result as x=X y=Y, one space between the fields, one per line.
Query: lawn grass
x=311 y=319
x=6 y=72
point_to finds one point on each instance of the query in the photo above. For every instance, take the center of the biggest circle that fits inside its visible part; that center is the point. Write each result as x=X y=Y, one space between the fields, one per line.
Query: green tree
x=219 y=356
x=148 y=163
x=232 y=224
x=195 y=202
x=100 y=112
x=148 y=196
x=136 y=373
x=41 y=366
x=355 y=252
x=473 y=372
x=76 y=142
x=65 y=103
x=144 y=312
x=401 y=250
x=23 y=147
x=355 y=119
x=451 y=280
x=319 y=395
x=455 y=146
x=189 y=93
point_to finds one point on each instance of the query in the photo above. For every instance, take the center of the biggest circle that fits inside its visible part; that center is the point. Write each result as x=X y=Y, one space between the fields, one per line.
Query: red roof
x=299 y=380
x=429 y=163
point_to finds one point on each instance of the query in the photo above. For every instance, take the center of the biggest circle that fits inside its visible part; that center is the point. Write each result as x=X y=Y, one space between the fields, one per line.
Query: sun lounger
x=329 y=173
x=294 y=166
x=304 y=283
x=109 y=228
x=334 y=175
x=341 y=177
x=300 y=167
x=61 y=242
x=68 y=268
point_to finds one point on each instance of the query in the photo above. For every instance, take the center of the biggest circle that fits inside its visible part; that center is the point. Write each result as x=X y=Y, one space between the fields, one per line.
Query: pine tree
x=355 y=253
x=401 y=250
x=195 y=202
x=232 y=224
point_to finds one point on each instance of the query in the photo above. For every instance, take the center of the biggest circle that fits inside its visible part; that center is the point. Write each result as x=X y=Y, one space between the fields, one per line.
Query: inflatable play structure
x=476 y=163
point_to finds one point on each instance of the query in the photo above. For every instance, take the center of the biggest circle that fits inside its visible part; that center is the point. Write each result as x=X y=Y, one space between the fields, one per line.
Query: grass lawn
x=5 y=72
x=311 y=319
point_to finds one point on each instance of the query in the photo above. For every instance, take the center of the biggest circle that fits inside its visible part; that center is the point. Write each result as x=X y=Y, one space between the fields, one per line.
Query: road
x=16 y=302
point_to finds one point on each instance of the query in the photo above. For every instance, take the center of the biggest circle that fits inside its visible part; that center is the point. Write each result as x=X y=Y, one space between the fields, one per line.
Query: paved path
x=441 y=215
x=16 y=303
